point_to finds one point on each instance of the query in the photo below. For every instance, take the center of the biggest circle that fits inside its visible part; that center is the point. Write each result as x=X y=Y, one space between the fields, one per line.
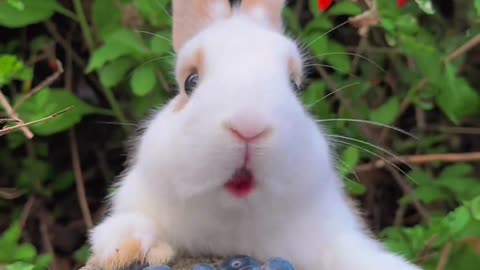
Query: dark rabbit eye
x=191 y=83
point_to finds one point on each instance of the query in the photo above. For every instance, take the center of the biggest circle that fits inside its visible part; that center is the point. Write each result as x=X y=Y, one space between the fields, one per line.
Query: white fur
x=173 y=191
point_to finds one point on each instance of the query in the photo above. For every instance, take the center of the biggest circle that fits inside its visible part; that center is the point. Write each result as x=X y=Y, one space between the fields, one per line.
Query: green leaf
x=349 y=160
x=49 y=101
x=355 y=188
x=344 y=8
x=11 y=236
x=25 y=252
x=20 y=266
x=33 y=175
x=105 y=19
x=457 y=99
x=457 y=170
x=43 y=262
x=17 y=4
x=476 y=208
x=129 y=39
x=314 y=99
x=427 y=57
x=33 y=11
x=81 y=255
x=10 y=66
x=62 y=182
x=143 y=106
x=119 y=43
x=104 y=54
x=114 y=72
x=143 y=80
x=154 y=11
x=430 y=194
x=426 y=6
x=318 y=26
x=291 y=21
x=477 y=7
x=407 y=24
x=161 y=45
x=457 y=220
x=337 y=57
x=387 y=113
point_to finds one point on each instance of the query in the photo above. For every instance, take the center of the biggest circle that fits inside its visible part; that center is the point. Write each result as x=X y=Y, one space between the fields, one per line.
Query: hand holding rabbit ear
x=234 y=164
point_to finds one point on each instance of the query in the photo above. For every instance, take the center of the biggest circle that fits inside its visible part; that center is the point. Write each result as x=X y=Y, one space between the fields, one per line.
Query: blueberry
x=278 y=264
x=203 y=266
x=239 y=262
x=158 y=267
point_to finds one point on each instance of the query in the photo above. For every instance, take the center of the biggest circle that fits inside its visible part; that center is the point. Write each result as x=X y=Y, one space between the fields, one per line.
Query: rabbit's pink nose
x=248 y=128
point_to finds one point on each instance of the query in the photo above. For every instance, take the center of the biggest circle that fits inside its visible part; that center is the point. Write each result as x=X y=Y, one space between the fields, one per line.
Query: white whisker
x=326 y=33
x=153 y=34
x=332 y=93
x=375 y=155
x=370 y=123
x=357 y=55
x=371 y=145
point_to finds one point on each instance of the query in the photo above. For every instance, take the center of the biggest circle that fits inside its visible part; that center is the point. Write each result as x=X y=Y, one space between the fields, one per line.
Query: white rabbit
x=234 y=164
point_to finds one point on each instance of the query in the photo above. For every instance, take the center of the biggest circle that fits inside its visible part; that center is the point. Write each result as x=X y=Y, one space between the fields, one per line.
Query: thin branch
x=408 y=191
x=87 y=34
x=77 y=170
x=9 y=120
x=11 y=112
x=52 y=29
x=421 y=159
x=464 y=48
x=10 y=193
x=26 y=211
x=446 y=251
x=48 y=81
x=25 y=125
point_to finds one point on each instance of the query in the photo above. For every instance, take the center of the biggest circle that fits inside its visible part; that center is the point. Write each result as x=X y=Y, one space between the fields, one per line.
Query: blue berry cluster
x=238 y=263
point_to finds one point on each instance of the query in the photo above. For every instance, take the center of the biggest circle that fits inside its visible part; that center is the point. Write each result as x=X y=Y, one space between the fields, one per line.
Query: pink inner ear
x=269 y=11
x=192 y=16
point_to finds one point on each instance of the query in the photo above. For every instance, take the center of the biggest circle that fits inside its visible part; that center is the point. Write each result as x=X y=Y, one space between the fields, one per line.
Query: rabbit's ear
x=265 y=11
x=192 y=16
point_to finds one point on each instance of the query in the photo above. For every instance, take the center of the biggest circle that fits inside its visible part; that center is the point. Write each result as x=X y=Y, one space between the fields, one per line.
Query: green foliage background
x=409 y=71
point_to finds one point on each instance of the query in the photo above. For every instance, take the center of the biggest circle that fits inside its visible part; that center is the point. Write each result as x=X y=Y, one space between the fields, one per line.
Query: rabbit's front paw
x=125 y=240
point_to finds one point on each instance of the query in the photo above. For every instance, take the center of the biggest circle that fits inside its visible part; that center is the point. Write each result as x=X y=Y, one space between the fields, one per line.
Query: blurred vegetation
x=415 y=68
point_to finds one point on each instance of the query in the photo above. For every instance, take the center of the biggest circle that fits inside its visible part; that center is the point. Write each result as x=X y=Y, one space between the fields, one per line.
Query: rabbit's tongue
x=241 y=184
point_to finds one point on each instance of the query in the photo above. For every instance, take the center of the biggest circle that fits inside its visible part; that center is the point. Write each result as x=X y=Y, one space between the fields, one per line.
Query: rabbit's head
x=236 y=130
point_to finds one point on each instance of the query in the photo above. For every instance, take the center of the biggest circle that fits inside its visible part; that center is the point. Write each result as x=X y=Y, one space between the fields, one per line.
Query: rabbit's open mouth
x=241 y=183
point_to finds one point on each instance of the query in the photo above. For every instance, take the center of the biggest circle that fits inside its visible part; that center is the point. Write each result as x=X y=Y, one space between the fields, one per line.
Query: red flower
x=401 y=3
x=323 y=5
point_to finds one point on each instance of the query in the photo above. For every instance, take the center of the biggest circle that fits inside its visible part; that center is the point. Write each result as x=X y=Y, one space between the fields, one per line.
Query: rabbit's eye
x=191 y=83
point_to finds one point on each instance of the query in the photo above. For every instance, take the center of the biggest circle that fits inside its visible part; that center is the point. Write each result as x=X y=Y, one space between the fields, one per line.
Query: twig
x=408 y=191
x=10 y=193
x=26 y=211
x=77 y=169
x=420 y=159
x=446 y=251
x=9 y=120
x=464 y=48
x=48 y=81
x=11 y=112
x=52 y=29
x=24 y=125
x=87 y=34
